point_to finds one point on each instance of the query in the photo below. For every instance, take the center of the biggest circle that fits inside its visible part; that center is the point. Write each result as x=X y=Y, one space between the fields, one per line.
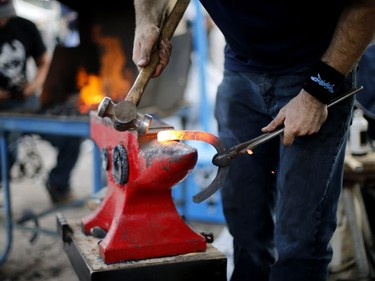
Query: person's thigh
x=248 y=192
x=309 y=184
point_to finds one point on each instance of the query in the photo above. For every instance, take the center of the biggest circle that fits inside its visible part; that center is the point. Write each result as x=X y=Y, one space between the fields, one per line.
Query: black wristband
x=323 y=82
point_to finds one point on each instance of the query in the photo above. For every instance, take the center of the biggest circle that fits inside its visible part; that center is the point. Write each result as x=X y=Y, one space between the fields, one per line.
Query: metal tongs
x=223 y=156
x=223 y=159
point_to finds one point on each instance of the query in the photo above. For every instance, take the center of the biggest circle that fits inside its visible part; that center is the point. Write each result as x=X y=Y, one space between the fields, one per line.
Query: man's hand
x=303 y=115
x=4 y=95
x=29 y=89
x=145 y=43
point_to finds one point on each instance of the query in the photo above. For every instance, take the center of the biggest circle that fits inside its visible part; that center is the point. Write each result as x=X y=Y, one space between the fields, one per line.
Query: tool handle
x=167 y=31
x=267 y=136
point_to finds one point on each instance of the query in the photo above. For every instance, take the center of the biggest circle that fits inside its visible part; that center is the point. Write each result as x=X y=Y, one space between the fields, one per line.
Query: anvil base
x=83 y=254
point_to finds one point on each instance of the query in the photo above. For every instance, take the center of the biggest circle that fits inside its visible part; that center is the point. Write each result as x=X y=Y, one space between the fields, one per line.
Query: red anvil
x=138 y=212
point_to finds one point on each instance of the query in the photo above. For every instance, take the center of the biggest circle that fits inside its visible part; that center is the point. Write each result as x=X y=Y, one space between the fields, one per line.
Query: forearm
x=42 y=69
x=4 y=95
x=354 y=32
x=150 y=11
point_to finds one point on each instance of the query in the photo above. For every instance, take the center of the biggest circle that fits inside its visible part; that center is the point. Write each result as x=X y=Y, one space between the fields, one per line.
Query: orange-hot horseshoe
x=168 y=135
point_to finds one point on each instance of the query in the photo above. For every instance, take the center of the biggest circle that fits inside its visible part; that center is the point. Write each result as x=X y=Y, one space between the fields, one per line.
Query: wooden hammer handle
x=167 y=31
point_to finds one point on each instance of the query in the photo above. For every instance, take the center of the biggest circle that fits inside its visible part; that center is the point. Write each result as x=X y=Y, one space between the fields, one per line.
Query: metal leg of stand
x=7 y=203
x=353 y=213
x=32 y=123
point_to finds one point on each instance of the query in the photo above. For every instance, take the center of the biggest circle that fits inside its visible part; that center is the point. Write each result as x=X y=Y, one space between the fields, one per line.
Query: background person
x=20 y=40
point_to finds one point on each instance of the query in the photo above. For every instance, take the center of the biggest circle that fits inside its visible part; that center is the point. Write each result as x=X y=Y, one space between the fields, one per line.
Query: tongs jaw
x=223 y=159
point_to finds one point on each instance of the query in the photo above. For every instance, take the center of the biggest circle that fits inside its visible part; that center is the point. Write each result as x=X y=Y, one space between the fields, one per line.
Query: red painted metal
x=139 y=216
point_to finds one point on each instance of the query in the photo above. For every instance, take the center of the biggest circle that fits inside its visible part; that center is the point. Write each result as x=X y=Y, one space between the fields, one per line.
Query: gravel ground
x=43 y=258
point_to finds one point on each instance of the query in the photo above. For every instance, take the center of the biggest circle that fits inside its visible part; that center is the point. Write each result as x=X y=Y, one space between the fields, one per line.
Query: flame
x=90 y=90
x=114 y=79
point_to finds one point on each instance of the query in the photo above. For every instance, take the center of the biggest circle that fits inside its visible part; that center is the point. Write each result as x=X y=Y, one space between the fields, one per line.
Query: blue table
x=36 y=123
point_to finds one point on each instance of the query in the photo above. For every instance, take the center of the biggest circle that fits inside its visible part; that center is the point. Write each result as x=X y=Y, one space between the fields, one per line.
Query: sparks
x=249 y=151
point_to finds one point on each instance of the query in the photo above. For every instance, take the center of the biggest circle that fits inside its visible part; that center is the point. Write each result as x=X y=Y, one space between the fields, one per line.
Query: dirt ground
x=42 y=257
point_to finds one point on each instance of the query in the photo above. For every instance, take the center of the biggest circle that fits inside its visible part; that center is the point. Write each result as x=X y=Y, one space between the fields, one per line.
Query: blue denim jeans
x=280 y=202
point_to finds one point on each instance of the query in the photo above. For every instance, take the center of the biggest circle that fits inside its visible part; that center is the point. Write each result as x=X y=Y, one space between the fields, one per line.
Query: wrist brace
x=323 y=81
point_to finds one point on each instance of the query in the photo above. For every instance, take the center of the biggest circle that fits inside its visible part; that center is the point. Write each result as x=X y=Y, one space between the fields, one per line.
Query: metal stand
x=359 y=172
x=34 y=123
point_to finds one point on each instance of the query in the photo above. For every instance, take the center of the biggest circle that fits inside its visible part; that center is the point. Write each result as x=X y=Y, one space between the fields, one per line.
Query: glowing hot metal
x=168 y=135
x=178 y=135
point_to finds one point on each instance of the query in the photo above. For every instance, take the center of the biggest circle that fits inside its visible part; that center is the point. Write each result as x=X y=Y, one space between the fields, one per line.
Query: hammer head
x=124 y=116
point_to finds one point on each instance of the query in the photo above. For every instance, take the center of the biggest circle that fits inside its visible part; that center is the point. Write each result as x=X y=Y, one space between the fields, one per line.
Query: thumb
x=144 y=57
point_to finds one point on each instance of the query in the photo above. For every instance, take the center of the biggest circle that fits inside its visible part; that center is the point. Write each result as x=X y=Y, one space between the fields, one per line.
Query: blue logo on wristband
x=324 y=84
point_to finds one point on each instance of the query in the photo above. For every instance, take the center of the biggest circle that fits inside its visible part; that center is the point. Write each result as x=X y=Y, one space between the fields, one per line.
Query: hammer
x=124 y=115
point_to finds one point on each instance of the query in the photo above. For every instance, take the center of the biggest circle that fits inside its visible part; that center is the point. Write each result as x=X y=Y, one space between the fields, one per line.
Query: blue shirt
x=274 y=35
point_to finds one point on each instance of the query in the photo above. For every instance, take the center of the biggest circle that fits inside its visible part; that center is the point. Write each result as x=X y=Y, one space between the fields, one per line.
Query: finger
x=287 y=138
x=158 y=70
x=144 y=57
x=166 y=46
x=165 y=50
x=140 y=58
x=142 y=51
x=274 y=124
x=136 y=52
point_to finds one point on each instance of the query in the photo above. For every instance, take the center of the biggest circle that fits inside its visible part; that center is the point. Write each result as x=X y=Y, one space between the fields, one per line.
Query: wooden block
x=84 y=256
